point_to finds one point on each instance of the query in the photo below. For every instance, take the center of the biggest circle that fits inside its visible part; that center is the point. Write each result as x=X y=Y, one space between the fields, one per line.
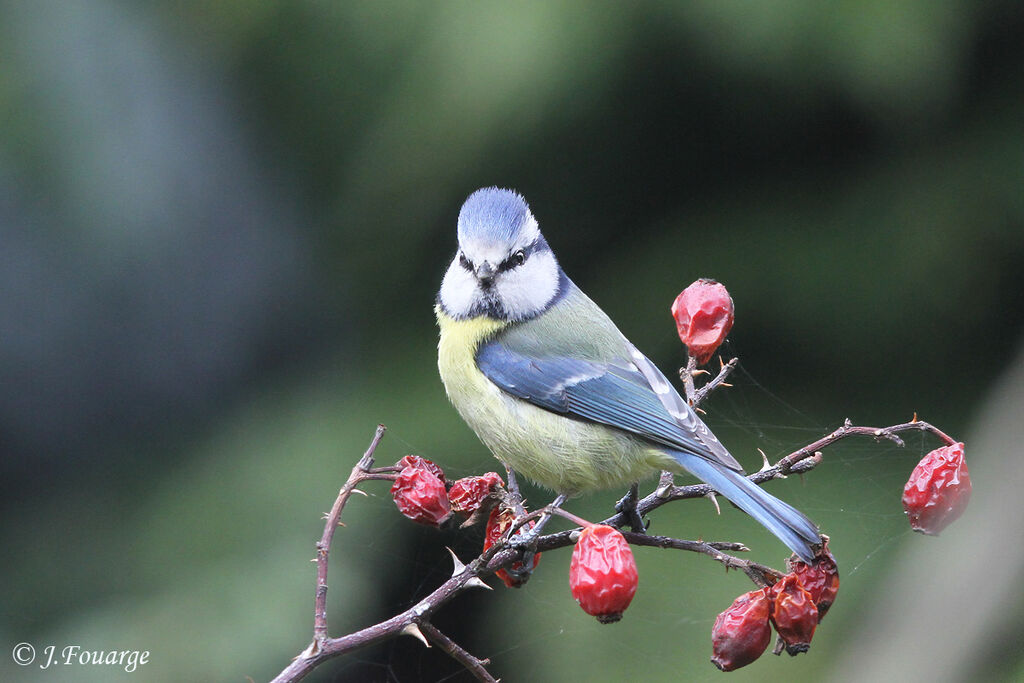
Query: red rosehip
x=498 y=524
x=602 y=573
x=420 y=496
x=793 y=613
x=417 y=461
x=938 y=490
x=468 y=493
x=742 y=633
x=820 y=578
x=704 y=315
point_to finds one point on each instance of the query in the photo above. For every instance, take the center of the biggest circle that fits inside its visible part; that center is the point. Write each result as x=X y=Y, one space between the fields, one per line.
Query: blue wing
x=635 y=397
x=617 y=395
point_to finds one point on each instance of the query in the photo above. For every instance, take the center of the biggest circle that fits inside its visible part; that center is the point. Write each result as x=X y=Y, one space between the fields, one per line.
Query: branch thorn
x=412 y=629
x=665 y=484
x=477 y=582
x=713 y=497
x=459 y=566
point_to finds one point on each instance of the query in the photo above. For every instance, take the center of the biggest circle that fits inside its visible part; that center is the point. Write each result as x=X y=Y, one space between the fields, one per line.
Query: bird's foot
x=529 y=536
x=526 y=541
x=627 y=507
x=513 y=489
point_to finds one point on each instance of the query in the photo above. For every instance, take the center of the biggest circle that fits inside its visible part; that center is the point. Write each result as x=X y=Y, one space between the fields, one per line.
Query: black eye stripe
x=517 y=258
x=512 y=261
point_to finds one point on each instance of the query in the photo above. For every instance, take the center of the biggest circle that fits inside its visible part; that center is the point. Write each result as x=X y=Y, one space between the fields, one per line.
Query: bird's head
x=504 y=268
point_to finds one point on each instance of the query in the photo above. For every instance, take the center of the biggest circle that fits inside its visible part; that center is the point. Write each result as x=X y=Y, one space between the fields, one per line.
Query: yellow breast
x=563 y=454
x=456 y=351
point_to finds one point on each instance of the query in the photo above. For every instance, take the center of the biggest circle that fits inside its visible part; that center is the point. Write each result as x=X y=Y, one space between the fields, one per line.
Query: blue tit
x=553 y=388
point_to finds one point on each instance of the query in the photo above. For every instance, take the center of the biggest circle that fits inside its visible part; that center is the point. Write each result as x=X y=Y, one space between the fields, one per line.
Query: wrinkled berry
x=417 y=461
x=742 y=633
x=420 y=495
x=793 y=613
x=602 y=573
x=704 y=315
x=938 y=490
x=498 y=524
x=468 y=493
x=820 y=578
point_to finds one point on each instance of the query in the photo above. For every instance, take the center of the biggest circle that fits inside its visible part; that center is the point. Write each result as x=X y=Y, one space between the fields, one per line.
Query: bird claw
x=627 y=507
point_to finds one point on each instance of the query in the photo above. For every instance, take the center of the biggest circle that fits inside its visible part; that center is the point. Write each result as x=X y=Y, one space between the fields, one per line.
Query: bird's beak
x=484 y=273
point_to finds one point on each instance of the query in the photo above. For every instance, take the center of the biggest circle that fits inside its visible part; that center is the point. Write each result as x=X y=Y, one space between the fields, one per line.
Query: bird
x=552 y=387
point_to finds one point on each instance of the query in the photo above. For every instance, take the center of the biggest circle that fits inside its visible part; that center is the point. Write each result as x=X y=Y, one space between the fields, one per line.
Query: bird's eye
x=465 y=262
x=512 y=261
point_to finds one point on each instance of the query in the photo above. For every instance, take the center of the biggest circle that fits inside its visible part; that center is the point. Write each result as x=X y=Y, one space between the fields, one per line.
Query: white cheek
x=458 y=290
x=528 y=289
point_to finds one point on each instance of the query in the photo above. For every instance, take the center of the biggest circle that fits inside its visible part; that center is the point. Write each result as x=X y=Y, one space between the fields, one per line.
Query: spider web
x=871 y=474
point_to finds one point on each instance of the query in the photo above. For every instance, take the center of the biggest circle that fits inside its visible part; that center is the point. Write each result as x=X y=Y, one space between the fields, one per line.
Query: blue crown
x=492 y=214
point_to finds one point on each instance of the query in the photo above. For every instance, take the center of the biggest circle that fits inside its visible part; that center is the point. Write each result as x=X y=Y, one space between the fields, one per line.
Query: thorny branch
x=475 y=666
x=699 y=395
x=415 y=621
x=361 y=472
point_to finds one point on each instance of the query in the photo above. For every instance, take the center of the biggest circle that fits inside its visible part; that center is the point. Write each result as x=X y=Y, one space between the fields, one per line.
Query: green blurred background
x=222 y=226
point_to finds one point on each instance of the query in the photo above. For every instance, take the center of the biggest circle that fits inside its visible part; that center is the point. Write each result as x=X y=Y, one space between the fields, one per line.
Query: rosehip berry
x=602 y=573
x=704 y=315
x=742 y=633
x=417 y=461
x=468 y=493
x=498 y=524
x=420 y=496
x=793 y=613
x=820 y=578
x=938 y=490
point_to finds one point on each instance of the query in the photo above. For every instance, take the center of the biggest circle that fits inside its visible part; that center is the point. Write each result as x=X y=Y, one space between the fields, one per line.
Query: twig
x=848 y=429
x=414 y=620
x=686 y=374
x=700 y=394
x=408 y=622
x=477 y=667
x=801 y=460
x=361 y=471
x=694 y=396
x=712 y=548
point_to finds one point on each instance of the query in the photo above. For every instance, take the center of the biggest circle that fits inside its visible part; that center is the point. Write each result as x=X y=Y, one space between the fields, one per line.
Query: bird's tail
x=791 y=526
